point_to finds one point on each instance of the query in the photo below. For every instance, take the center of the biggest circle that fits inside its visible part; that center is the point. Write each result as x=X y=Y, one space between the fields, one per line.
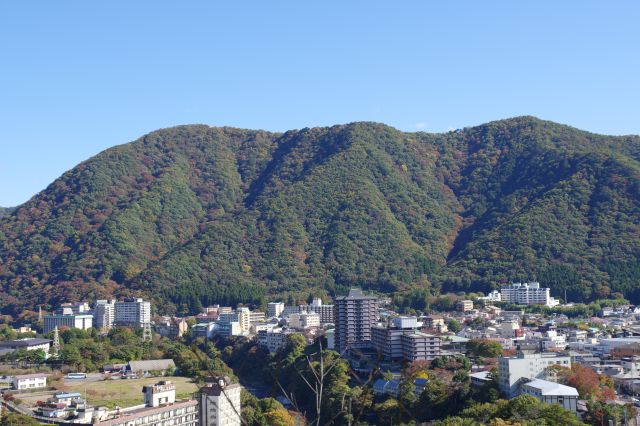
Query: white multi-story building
x=244 y=318
x=163 y=392
x=527 y=294
x=304 y=320
x=493 y=296
x=273 y=340
x=552 y=393
x=516 y=370
x=29 y=381
x=81 y=321
x=104 y=314
x=274 y=309
x=219 y=403
x=132 y=312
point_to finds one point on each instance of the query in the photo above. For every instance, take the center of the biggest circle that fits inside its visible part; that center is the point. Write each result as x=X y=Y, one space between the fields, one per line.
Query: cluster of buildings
x=130 y=312
x=217 y=403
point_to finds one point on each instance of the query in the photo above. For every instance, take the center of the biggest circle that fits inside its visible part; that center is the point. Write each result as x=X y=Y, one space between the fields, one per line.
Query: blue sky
x=79 y=77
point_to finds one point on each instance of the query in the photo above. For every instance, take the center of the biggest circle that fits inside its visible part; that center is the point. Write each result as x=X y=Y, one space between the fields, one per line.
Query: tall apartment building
x=132 y=312
x=513 y=370
x=104 y=314
x=403 y=341
x=527 y=294
x=219 y=403
x=354 y=316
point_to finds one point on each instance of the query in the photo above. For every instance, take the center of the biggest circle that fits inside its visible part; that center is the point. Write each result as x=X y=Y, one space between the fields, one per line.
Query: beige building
x=464 y=305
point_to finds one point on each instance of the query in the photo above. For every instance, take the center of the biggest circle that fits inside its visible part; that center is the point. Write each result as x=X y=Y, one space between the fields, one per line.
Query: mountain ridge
x=195 y=214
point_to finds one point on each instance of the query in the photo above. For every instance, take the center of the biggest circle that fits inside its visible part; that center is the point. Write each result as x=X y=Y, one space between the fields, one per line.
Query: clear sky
x=79 y=77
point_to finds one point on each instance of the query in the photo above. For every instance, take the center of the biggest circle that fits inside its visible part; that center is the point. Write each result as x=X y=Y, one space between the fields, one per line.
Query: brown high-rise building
x=354 y=316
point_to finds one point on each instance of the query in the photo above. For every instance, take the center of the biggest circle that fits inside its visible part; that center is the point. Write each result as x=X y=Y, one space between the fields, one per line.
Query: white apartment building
x=132 y=312
x=552 y=393
x=29 y=381
x=527 y=294
x=104 y=314
x=304 y=320
x=219 y=403
x=526 y=366
x=274 y=309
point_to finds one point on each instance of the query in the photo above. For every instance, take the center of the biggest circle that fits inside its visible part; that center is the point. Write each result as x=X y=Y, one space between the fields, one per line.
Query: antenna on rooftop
x=39 y=313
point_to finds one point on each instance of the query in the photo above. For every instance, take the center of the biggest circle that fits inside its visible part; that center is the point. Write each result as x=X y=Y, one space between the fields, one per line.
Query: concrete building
x=219 y=403
x=324 y=311
x=275 y=309
x=132 y=312
x=552 y=393
x=435 y=322
x=354 y=316
x=516 y=370
x=464 y=305
x=273 y=340
x=527 y=294
x=244 y=319
x=304 y=320
x=163 y=392
x=403 y=341
x=81 y=321
x=29 y=381
x=104 y=314
x=493 y=296
x=171 y=327
x=420 y=346
x=256 y=316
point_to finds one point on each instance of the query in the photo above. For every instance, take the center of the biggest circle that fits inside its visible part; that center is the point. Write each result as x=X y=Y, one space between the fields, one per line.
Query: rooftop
x=552 y=388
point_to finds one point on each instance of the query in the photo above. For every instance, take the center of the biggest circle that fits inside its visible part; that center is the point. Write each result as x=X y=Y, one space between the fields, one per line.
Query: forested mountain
x=5 y=211
x=193 y=215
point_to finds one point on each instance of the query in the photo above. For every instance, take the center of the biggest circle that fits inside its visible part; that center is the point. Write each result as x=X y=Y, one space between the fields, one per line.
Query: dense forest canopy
x=193 y=215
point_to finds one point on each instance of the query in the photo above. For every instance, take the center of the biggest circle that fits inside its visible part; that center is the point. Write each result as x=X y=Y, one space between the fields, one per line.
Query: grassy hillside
x=193 y=215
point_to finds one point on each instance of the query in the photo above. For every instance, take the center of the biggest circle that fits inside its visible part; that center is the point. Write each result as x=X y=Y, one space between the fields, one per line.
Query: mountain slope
x=193 y=215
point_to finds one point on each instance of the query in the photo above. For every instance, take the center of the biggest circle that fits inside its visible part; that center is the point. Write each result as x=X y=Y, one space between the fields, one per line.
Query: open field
x=112 y=393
